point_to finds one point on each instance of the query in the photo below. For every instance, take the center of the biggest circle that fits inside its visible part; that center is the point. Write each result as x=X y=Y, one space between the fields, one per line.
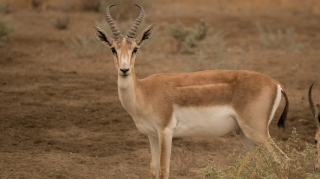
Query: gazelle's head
x=315 y=108
x=124 y=48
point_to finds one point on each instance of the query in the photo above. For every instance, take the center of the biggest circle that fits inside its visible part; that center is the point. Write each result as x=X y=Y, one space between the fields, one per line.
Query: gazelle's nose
x=124 y=71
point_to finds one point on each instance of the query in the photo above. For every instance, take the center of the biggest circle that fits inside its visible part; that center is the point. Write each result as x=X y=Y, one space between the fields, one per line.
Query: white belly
x=204 y=121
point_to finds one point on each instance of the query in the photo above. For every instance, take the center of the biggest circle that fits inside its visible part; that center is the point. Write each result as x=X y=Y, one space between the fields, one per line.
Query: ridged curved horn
x=133 y=30
x=114 y=28
x=312 y=105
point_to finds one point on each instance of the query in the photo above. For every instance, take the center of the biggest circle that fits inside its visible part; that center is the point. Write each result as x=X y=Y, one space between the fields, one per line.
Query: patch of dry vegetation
x=208 y=47
x=36 y=3
x=261 y=164
x=187 y=36
x=85 y=45
x=5 y=31
x=4 y=8
x=62 y=23
x=92 y=5
x=183 y=159
x=286 y=40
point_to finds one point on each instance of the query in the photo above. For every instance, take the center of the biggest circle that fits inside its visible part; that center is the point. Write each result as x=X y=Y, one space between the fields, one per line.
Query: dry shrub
x=36 y=3
x=198 y=34
x=4 y=7
x=212 y=53
x=187 y=36
x=261 y=164
x=80 y=45
x=183 y=160
x=207 y=46
x=62 y=23
x=83 y=45
x=91 y=5
x=179 y=32
x=5 y=30
x=286 y=40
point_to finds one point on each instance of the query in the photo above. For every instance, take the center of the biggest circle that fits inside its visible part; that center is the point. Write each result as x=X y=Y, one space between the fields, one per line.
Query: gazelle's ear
x=146 y=34
x=103 y=36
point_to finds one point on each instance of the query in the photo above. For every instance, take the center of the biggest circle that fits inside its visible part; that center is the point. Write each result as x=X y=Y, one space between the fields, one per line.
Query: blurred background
x=60 y=116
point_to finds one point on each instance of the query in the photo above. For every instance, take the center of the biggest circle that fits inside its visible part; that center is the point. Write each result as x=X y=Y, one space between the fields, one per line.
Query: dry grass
x=261 y=164
x=5 y=31
x=92 y=5
x=187 y=36
x=183 y=159
x=83 y=45
x=79 y=44
x=4 y=8
x=286 y=40
x=36 y=3
x=62 y=23
x=208 y=47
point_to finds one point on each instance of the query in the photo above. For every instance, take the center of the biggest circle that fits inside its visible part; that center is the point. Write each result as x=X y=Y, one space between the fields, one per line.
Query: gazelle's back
x=219 y=87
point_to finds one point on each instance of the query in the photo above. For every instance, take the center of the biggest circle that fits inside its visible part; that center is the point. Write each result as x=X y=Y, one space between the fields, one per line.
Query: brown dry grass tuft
x=261 y=164
x=5 y=31
x=286 y=40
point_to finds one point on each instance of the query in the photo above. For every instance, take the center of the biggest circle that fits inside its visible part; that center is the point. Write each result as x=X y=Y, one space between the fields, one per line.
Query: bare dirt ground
x=60 y=116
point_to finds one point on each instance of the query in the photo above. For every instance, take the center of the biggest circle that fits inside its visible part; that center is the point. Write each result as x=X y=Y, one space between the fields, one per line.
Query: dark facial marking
x=114 y=51
x=134 y=51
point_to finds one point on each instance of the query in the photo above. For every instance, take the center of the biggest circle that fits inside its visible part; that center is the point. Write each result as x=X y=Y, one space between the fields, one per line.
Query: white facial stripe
x=124 y=59
x=124 y=62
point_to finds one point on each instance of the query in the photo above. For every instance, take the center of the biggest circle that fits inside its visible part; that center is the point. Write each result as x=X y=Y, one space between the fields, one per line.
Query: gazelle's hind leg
x=255 y=122
x=247 y=143
x=260 y=136
x=266 y=142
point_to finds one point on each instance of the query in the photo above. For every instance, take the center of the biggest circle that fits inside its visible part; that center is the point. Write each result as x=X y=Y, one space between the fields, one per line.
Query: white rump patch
x=276 y=104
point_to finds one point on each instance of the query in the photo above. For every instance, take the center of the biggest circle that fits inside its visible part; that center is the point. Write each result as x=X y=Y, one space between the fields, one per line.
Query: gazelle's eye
x=315 y=141
x=114 y=51
x=134 y=51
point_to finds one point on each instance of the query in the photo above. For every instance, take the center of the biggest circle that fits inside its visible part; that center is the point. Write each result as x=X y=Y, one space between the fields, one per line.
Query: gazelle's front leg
x=165 y=142
x=155 y=157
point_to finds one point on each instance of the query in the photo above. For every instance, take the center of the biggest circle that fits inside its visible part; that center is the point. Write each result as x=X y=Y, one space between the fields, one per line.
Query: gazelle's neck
x=126 y=92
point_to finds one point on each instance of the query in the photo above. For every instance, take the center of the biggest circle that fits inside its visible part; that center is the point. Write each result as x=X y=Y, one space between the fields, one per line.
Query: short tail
x=283 y=116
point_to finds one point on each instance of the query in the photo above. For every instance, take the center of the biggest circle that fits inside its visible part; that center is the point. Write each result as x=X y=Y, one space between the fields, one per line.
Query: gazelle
x=199 y=104
x=315 y=109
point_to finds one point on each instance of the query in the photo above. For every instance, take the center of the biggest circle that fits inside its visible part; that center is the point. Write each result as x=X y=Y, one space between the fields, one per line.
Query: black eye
x=134 y=51
x=114 y=51
x=315 y=141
